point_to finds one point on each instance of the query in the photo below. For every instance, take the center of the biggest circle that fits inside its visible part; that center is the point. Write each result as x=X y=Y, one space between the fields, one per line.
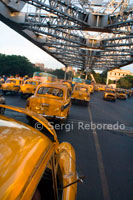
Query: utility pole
x=86 y=76
x=65 y=73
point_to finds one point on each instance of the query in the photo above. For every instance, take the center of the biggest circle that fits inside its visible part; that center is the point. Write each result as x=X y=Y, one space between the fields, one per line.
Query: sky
x=12 y=43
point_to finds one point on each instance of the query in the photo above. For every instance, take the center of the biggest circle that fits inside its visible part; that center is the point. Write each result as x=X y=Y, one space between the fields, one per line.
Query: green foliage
x=100 y=78
x=59 y=73
x=125 y=82
x=111 y=82
x=13 y=64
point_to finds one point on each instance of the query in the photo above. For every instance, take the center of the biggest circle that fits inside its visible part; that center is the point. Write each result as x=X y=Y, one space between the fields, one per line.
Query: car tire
x=2 y=111
x=22 y=95
x=86 y=103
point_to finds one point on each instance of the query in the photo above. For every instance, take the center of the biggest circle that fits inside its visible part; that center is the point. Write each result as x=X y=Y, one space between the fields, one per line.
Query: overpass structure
x=87 y=34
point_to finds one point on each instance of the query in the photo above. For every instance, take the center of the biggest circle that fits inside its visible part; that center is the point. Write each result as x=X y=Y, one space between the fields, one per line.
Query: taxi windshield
x=122 y=92
x=50 y=90
x=83 y=89
x=110 y=91
x=10 y=81
x=30 y=82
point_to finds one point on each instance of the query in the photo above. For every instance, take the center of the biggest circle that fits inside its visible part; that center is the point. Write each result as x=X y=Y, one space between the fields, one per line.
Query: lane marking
x=104 y=182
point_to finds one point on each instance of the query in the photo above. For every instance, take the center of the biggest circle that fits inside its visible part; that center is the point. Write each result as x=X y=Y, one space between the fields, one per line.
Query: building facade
x=116 y=74
x=40 y=65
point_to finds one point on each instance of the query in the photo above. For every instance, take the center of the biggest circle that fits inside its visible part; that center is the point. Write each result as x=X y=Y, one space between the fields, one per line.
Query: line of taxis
x=15 y=85
x=32 y=165
x=51 y=99
x=113 y=94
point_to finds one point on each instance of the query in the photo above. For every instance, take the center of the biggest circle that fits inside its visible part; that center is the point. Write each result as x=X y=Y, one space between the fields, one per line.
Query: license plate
x=45 y=106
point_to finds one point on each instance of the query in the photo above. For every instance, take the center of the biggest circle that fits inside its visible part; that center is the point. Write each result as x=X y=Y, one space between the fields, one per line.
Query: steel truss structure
x=80 y=33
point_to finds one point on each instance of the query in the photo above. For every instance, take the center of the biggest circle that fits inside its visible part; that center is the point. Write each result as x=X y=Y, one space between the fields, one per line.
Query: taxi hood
x=34 y=116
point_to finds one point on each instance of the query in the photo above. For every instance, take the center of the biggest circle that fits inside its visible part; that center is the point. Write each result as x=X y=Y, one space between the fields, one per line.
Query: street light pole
x=65 y=74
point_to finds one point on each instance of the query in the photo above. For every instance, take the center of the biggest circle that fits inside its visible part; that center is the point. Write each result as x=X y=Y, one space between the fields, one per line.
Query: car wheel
x=2 y=111
x=86 y=103
x=22 y=95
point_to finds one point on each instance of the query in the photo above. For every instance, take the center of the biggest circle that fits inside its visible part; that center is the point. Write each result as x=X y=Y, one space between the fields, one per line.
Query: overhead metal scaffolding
x=94 y=34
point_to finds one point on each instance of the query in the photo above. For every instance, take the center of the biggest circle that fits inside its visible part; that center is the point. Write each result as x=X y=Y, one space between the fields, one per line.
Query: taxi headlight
x=62 y=108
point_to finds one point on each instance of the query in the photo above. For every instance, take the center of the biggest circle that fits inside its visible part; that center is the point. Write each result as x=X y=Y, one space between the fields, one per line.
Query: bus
x=77 y=80
x=44 y=77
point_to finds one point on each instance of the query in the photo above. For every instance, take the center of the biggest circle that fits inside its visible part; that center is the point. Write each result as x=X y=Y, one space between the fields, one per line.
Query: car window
x=45 y=188
x=81 y=89
x=110 y=91
x=68 y=93
x=121 y=92
x=30 y=82
x=50 y=90
x=10 y=81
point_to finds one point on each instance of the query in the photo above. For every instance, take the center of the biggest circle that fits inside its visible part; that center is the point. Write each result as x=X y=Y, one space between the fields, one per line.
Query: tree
x=125 y=82
x=59 y=73
x=100 y=78
x=13 y=64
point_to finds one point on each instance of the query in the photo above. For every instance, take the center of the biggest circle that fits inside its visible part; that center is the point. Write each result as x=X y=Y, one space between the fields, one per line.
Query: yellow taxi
x=81 y=93
x=68 y=84
x=33 y=166
x=1 y=82
x=29 y=86
x=101 y=88
x=121 y=94
x=12 y=85
x=96 y=88
x=91 y=88
x=129 y=93
x=51 y=100
x=110 y=94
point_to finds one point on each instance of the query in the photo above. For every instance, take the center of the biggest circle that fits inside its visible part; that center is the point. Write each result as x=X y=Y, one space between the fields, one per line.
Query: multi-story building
x=116 y=74
x=40 y=65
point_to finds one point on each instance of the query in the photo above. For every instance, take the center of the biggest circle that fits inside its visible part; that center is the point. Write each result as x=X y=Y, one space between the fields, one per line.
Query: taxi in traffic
x=121 y=94
x=51 y=100
x=29 y=86
x=110 y=95
x=81 y=93
x=91 y=88
x=101 y=88
x=32 y=165
x=1 y=82
x=68 y=84
x=12 y=85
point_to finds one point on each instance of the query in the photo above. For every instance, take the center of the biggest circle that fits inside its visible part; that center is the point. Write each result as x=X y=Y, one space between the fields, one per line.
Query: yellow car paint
x=91 y=88
x=110 y=94
x=12 y=85
x=53 y=104
x=121 y=94
x=29 y=86
x=81 y=93
x=25 y=155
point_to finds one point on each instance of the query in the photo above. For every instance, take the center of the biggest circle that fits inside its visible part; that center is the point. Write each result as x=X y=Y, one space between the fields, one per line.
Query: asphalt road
x=104 y=157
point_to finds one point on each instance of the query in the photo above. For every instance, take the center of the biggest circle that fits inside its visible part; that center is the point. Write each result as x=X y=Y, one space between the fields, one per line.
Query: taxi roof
x=14 y=79
x=21 y=150
x=82 y=85
x=31 y=79
x=53 y=84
